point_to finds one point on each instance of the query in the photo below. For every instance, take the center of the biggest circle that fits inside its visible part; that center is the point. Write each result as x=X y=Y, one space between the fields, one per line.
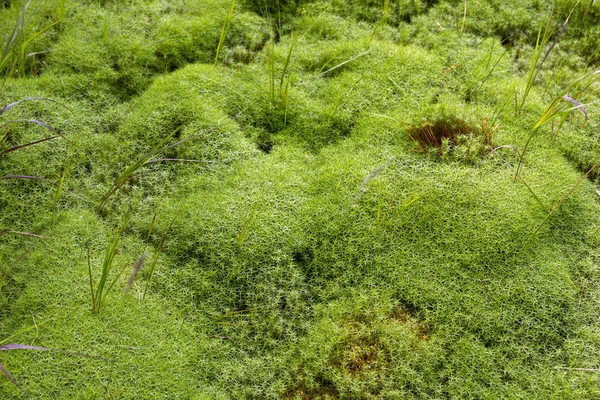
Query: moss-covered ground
x=332 y=222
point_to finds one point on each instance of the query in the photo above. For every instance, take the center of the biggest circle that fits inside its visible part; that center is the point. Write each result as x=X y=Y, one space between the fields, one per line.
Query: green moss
x=307 y=248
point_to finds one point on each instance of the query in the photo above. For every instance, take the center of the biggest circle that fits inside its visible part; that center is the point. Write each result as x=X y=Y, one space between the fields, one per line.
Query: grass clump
x=104 y=286
x=22 y=47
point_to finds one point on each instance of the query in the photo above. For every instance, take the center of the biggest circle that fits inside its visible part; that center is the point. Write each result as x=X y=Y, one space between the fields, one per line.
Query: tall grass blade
x=553 y=110
x=381 y=21
x=562 y=30
x=104 y=286
x=109 y=256
x=286 y=66
x=15 y=47
x=224 y=30
x=15 y=34
x=59 y=186
x=534 y=63
x=92 y=293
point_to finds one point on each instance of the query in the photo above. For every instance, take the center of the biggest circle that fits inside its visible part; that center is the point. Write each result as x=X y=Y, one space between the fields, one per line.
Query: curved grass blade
x=33 y=121
x=11 y=105
x=363 y=185
x=578 y=105
x=9 y=376
x=552 y=111
x=17 y=347
x=157 y=160
x=353 y=58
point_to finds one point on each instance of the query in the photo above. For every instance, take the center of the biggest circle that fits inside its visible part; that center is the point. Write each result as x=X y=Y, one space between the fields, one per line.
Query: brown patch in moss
x=360 y=353
x=449 y=131
x=363 y=356
x=314 y=394
x=401 y=314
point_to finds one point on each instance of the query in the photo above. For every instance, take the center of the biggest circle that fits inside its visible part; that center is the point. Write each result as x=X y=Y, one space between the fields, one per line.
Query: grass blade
x=134 y=271
x=533 y=70
x=145 y=159
x=11 y=105
x=27 y=177
x=159 y=249
x=9 y=376
x=59 y=186
x=27 y=145
x=21 y=347
x=353 y=58
x=558 y=204
x=33 y=121
x=25 y=234
x=16 y=32
x=363 y=185
x=578 y=105
x=16 y=347
x=514 y=149
x=224 y=30
x=91 y=280
x=559 y=34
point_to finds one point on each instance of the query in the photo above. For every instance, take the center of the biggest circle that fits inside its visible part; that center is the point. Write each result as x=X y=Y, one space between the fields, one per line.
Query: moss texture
x=321 y=206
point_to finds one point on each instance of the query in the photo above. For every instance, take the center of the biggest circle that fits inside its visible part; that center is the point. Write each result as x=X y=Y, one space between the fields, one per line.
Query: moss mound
x=337 y=206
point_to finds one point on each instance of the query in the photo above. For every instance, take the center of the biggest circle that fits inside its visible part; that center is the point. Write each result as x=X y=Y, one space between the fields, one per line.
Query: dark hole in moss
x=303 y=257
x=265 y=146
